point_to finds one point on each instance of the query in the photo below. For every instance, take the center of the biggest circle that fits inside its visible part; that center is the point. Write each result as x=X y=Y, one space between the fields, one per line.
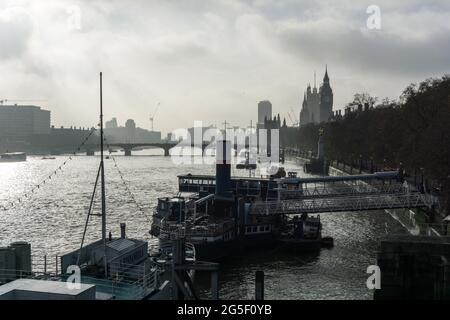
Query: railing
x=340 y=204
x=125 y=282
x=48 y=264
x=169 y=231
x=167 y=249
x=128 y=287
x=334 y=190
x=294 y=152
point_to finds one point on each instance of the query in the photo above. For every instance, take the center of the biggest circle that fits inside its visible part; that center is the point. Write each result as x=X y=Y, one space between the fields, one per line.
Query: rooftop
x=10 y=106
x=30 y=289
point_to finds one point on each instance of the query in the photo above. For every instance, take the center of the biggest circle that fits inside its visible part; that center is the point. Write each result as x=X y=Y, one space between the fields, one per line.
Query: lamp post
x=371 y=164
x=360 y=163
x=421 y=180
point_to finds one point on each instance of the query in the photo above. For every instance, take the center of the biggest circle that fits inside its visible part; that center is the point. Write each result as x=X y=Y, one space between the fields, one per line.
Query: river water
x=52 y=219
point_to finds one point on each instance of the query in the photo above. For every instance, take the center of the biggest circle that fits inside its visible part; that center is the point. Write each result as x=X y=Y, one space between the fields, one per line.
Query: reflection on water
x=53 y=218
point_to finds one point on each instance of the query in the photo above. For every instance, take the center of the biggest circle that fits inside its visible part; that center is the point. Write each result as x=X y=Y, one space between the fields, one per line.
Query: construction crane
x=152 y=118
x=290 y=118
x=4 y=101
x=294 y=123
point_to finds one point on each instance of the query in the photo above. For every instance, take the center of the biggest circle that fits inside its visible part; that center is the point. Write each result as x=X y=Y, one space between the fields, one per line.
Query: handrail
x=123 y=289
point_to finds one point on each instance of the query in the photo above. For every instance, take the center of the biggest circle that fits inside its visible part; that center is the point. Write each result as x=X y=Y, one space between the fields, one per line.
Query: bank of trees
x=414 y=131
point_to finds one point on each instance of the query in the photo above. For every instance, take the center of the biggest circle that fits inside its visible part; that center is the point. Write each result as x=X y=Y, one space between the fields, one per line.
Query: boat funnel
x=123 y=227
x=223 y=168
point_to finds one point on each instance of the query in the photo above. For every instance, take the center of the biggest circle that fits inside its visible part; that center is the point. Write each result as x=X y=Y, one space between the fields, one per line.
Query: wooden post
x=215 y=285
x=259 y=285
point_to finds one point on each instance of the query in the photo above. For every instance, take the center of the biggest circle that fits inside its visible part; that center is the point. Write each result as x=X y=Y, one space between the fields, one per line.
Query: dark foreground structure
x=414 y=267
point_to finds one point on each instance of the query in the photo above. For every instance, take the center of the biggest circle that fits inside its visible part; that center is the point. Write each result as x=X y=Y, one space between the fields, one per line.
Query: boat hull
x=13 y=157
x=220 y=250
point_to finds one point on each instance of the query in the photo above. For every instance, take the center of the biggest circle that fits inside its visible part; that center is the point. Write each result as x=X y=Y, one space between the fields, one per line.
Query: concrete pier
x=414 y=267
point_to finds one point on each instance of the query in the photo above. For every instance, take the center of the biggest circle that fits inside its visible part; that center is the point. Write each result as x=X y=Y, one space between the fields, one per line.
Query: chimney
x=223 y=167
x=123 y=227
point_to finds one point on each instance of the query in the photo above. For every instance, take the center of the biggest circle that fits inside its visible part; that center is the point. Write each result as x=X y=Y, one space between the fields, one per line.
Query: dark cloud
x=377 y=51
x=201 y=54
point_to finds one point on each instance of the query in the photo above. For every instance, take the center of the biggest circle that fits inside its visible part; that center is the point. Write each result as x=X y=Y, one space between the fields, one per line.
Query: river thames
x=52 y=219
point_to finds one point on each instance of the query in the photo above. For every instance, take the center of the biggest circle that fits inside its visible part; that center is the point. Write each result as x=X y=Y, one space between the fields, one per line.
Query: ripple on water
x=53 y=218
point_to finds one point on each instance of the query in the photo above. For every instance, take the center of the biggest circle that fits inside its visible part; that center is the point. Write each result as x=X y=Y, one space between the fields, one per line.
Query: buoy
x=327 y=242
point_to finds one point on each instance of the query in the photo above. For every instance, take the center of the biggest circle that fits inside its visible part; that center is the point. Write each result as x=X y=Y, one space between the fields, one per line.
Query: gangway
x=293 y=195
x=354 y=202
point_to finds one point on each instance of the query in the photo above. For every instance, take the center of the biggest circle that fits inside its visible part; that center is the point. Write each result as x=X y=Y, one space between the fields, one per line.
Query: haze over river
x=52 y=220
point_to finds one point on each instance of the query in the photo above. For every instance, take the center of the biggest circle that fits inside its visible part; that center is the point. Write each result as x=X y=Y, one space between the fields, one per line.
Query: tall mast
x=102 y=175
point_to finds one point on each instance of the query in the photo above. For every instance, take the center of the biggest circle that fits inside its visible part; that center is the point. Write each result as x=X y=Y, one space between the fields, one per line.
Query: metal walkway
x=343 y=189
x=292 y=195
x=340 y=203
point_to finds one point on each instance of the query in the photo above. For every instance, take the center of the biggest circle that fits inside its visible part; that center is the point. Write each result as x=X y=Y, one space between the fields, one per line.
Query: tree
x=363 y=98
x=414 y=130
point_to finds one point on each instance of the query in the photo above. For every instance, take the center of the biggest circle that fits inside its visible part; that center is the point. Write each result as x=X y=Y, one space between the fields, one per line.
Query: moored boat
x=227 y=216
x=13 y=157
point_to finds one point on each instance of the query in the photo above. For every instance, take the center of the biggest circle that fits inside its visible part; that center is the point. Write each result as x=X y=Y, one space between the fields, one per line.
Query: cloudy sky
x=211 y=60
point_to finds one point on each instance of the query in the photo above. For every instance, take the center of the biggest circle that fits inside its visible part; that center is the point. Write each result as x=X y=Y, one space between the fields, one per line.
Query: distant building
x=129 y=133
x=130 y=124
x=21 y=122
x=264 y=111
x=269 y=124
x=111 y=124
x=317 y=104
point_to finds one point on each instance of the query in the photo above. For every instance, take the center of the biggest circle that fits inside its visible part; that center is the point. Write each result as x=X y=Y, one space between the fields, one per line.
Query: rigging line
x=127 y=188
x=88 y=215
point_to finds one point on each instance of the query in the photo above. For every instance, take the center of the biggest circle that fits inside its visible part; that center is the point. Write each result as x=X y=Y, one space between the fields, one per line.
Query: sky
x=211 y=60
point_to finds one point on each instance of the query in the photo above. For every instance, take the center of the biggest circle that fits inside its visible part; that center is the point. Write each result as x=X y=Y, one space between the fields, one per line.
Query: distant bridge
x=165 y=145
x=129 y=146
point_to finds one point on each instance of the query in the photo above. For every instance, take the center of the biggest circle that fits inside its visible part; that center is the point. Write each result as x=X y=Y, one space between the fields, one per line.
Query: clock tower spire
x=326 y=98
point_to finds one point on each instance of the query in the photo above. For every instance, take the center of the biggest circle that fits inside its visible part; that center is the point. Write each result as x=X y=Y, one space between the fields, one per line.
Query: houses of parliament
x=317 y=104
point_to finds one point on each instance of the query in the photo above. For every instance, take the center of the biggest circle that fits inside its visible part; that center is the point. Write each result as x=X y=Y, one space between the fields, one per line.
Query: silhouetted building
x=270 y=125
x=317 y=104
x=111 y=124
x=21 y=122
x=264 y=111
x=129 y=133
x=130 y=126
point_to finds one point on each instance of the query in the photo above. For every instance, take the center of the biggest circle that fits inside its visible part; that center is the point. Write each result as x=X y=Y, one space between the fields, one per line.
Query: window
x=267 y=228
x=261 y=228
x=255 y=229
x=249 y=229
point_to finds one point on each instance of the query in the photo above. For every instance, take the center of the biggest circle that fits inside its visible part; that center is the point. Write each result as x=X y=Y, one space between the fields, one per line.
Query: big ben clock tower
x=326 y=98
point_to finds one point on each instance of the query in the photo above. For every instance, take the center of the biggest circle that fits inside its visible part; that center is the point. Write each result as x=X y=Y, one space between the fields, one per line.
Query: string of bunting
x=127 y=188
x=12 y=204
